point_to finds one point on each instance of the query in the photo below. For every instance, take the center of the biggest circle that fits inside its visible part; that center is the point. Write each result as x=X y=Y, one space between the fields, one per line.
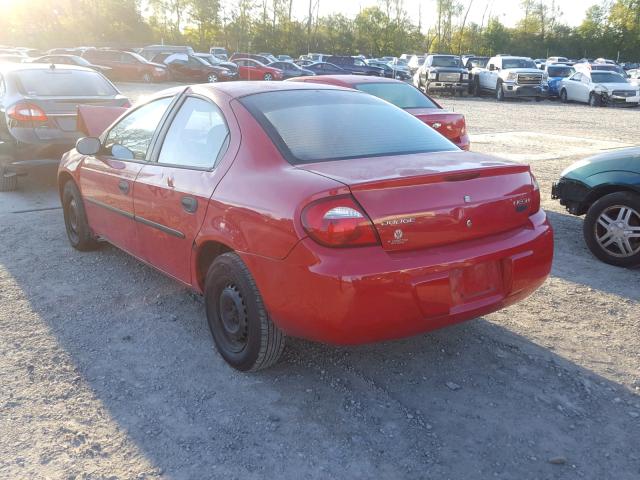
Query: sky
x=508 y=11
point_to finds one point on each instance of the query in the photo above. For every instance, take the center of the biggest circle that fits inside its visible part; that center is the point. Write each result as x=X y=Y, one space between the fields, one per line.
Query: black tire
x=594 y=100
x=147 y=78
x=242 y=330
x=597 y=236
x=75 y=219
x=477 y=91
x=212 y=78
x=499 y=92
x=8 y=179
x=563 y=96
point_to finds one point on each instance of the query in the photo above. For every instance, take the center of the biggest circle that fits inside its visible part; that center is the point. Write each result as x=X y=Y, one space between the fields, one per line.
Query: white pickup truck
x=508 y=76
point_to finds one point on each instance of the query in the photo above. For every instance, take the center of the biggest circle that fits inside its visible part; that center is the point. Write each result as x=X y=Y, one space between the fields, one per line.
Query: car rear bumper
x=354 y=296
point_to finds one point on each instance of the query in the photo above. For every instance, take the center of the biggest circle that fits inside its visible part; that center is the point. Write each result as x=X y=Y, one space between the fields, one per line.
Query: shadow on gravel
x=471 y=401
x=575 y=263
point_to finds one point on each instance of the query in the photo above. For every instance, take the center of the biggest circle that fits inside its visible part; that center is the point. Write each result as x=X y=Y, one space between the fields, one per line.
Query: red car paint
x=253 y=203
x=249 y=69
x=449 y=124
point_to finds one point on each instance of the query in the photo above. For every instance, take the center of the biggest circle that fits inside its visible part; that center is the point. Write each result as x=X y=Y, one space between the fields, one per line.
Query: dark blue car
x=324 y=68
x=556 y=73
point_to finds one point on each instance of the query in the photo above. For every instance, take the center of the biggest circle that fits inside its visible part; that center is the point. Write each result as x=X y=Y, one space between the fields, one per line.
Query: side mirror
x=492 y=67
x=88 y=146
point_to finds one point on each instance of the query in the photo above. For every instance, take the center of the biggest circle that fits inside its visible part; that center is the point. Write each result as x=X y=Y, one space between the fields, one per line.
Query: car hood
x=627 y=160
x=617 y=86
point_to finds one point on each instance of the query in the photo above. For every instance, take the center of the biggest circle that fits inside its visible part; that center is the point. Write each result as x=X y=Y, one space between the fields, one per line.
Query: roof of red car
x=244 y=88
x=349 y=81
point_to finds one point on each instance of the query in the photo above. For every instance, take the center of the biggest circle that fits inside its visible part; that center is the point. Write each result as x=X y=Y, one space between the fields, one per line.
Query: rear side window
x=197 y=136
x=321 y=125
x=400 y=94
x=63 y=83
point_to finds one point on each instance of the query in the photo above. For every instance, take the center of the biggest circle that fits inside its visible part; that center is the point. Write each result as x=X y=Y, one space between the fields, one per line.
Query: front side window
x=321 y=125
x=197 y=136
x=130 y=138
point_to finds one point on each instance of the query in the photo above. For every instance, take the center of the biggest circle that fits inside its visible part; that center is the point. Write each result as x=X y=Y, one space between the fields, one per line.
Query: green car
x=607 y=189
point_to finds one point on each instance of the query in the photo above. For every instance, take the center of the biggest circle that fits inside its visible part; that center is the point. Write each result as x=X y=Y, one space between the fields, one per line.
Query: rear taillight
x=26 y=112
x=338 y=222
x=535 y=195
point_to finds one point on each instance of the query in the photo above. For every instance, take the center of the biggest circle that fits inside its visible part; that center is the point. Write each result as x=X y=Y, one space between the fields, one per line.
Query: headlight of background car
x=433 y=75
x=465 y=76
x=512 y=77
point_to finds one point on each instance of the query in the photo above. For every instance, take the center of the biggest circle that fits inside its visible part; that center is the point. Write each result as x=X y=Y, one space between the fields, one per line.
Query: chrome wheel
x=617 y=231
x=212 y=78
x=268 y=77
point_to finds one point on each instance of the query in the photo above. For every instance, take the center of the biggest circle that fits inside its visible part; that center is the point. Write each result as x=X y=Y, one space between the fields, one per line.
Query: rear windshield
x=320 y=125
x=63 y=83
x=560 y=72
x=400 y=94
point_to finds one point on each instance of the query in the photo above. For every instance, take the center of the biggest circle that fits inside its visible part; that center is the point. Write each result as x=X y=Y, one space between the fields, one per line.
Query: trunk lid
x=451 y=125
x=63 y=111
x=424 y=200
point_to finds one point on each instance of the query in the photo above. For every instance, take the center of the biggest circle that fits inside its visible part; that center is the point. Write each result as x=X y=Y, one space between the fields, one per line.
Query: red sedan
x=307 y=210
x=250 y=69
x=407 y=97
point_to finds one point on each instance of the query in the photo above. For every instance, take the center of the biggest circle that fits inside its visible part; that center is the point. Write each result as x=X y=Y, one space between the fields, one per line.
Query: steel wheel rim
x=617 y=231
x=213 y=79
x=234 y=321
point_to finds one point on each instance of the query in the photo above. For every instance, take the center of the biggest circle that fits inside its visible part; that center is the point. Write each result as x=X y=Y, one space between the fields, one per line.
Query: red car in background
x=249 y=69
x=127 y=66
x=307 y=210
x=401 y=94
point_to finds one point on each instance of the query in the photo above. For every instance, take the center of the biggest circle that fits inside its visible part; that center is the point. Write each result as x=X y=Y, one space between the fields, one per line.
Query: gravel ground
x=108 y=370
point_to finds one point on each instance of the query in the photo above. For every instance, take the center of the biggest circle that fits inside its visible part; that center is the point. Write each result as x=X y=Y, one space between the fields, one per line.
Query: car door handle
x=123 y=186
x=189 y=204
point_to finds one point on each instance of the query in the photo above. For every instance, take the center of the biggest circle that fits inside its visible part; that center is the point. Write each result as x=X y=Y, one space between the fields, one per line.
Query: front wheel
x=241 y=327
x=75 y=219
x=594 y=100
x=563 y=96
x=500 y=92
x=268 y=77
x=8 y=179
x=146 y=78
x=212 y=78
x=612 y=229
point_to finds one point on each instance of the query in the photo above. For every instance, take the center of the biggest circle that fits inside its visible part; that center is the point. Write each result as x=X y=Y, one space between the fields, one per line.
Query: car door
x=172 y=192
x=243 y=70
x=107 y=179
x=586 y=87
x=570 y=86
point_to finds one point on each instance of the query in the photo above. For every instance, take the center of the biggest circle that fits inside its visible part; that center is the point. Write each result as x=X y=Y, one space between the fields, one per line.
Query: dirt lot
x=108 y=370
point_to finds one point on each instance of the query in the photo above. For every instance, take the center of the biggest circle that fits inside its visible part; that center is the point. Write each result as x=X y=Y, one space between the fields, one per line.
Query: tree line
x=610 y=29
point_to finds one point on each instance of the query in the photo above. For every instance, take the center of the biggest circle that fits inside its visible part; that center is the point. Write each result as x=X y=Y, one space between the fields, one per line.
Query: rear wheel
x=563 y=96
x=8 y=179
x=75 y=219
x=212 y=78
x=612 y=229
x=268 y=77
x=241 y=327
x=146 y=78
x=476 y=87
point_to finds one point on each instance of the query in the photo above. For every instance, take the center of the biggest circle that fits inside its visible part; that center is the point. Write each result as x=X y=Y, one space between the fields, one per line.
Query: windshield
x=320 y=125
x=63 y=83
x=560 y=72
x=478 y=62
x=446 y=62
x=400 y=94
x=140 y=58
x=517 y=63
x=607 y=77
x=608 y=68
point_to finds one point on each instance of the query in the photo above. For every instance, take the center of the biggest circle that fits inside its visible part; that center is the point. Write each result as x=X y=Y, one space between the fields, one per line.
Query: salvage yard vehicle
x=606 y=188
x=325 y=68
x=598 y=89
x=38 y=119
x=475 y=65
x=291 y=70
x=128 y=66
x=373 y=240
x=443 y=73
x=420 y=105
x=249 y=69
x=191 y=68
x=555 y=73
x=508 y=76
x=355 y=66
x=73 y=60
